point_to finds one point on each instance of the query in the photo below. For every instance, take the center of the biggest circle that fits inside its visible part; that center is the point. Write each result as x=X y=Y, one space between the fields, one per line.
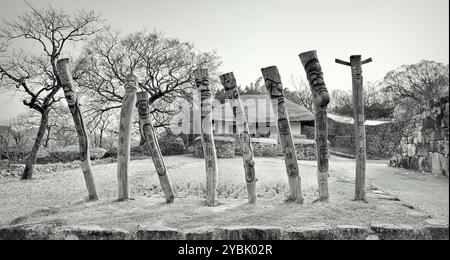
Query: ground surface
x=394 y=195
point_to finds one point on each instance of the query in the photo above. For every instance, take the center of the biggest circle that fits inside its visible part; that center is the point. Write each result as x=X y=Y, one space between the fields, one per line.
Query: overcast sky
x=251 y=34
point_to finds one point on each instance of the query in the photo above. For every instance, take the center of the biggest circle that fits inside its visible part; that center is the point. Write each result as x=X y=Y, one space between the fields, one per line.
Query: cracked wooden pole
x=358 y=115
x=232 y=94
x=83 y=139
x=321 y=99
x=151 y=143
x=275 y=90
x=123 y=146
x=209 y=150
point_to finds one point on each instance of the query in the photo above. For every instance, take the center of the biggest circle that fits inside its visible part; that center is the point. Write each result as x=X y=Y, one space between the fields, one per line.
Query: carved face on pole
x=142 y=104
x=131 y=83
x=229 y=83
x=70 y=95
x=202 y=79
x=273 y=82
x=316 y=82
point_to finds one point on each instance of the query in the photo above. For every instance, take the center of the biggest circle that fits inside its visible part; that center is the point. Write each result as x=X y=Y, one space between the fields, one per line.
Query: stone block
x=436 y=164
x=444 y=164
x=411 y=150
x=405 y=162
x=414 y=163
x=425 y=164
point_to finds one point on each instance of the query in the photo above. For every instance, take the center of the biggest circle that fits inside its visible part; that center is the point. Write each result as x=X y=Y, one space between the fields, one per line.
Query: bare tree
x=302 y=94
x=163 y=65
x=410 y=86
x=376 y=104
x=36 y=74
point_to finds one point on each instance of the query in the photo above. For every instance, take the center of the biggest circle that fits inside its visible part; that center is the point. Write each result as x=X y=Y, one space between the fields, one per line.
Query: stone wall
x=225 y=147
x=305 y=149
x=424 y=142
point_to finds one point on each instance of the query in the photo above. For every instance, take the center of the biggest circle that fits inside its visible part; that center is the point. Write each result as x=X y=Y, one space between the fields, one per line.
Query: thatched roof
x=251 y=104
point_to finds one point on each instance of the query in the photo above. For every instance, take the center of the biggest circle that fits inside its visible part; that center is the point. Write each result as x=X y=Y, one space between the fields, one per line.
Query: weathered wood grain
x=321 y=99
x=232 y=95
x=151 y=142
x=275 y=90
x=209 y=150
x=360 y=131
x=123 y=146
x=83 y=140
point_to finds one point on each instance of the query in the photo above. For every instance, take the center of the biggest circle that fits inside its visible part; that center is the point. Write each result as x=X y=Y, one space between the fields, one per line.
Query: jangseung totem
x=209 y=150
x=83 y=139
x=232 y=95
x=123 y=146
x=151 y=142
x=358 y=115
x=321 y=99
x=275 y=90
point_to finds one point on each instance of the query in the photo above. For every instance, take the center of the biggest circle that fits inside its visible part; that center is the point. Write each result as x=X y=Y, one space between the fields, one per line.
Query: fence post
x=321 y=99
x=83 y=139
x=151 y=143
x=232 y=95
x=123 y=146
x=209 y=150
x=358 y=115
x=275 y=90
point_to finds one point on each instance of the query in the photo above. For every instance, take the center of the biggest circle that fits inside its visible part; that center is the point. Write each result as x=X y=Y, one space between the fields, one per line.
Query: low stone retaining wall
x=376 y=231
x=225 y=147
x=305 y=149
x=264 y=147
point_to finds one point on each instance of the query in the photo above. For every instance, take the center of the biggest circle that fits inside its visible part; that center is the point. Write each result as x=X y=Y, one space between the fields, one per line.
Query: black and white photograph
x=224 y=126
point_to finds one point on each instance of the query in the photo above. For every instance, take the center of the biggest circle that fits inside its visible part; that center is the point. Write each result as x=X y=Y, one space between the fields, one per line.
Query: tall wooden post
x=321 y=99
x=151 y=142
x=123 y=146
x=358 y=115
x=209 y=150
x=275 y=90
x=232 y=94
x=83 y=139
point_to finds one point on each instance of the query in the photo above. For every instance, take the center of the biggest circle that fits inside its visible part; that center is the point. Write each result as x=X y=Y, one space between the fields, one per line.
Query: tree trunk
x=209 y=150
x=32 y=157
x=83 y=138
x=151 y=142
x=275 y=90
x=232 y=95
x=47 y=138
x=123 y=146
x=321 y=99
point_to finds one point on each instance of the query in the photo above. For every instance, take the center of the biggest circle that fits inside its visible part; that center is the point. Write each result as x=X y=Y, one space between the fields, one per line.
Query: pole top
x=142 y=96
x=305 y=57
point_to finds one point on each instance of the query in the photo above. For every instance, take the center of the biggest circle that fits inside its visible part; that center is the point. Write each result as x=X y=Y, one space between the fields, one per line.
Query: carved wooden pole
x=358 y=115
x=123 y=146
x=151 y=142
x=275 y=90
x=209 y=150
x=232 y=94
x=83 y=139
x=321 y=99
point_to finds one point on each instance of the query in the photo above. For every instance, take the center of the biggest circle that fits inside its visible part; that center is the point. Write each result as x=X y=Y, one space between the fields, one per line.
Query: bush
x=170 y=145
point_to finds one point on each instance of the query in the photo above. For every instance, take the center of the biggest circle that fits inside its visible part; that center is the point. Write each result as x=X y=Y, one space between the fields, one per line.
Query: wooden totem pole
x=275 y=90
x=209 y=150
x=83 y=139
x=151 y=142
x=321 y=99
x=358 y=115
x=123 y=146
x=232 y=94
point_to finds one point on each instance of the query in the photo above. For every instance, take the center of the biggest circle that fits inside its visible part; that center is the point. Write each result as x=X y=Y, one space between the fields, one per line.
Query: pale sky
x=252 y=34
